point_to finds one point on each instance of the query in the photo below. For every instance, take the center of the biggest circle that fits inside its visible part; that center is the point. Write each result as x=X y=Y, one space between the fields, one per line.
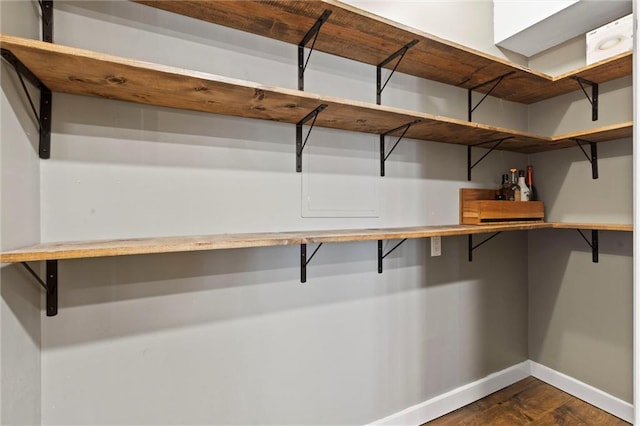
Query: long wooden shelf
x=126 y=247
x=355 y=34
x=593 y=226
x=81 y=72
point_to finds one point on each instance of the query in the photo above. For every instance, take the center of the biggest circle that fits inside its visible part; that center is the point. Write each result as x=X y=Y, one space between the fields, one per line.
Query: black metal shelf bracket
x=593 y=158
x=304 y=261
x=46 y=9
x=43 y=119
x=496 y=81
x=593 y=99
x=495 y=142
x=472 y=247
x=50 y=285
x=383 y=156
x=382 y=255
x=312 y=33
x=593 y=243
x=300 y=144
x=400 y=53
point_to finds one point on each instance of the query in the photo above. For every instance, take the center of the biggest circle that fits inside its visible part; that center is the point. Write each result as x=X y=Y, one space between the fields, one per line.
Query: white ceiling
x=529 y=27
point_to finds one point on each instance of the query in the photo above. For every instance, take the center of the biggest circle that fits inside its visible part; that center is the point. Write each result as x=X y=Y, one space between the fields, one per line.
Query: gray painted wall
x=232 y=336
x=580 y=313
x=19 y=226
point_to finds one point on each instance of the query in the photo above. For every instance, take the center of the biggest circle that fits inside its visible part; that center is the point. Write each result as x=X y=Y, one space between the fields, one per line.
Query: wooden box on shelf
x=479 y=207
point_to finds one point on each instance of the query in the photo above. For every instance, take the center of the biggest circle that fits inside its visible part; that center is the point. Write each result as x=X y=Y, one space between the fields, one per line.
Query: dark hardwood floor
x=528 y=402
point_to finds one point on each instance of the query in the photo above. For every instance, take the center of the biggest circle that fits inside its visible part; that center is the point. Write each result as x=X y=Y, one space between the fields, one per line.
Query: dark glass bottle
x=505 y=187
x=532 y=188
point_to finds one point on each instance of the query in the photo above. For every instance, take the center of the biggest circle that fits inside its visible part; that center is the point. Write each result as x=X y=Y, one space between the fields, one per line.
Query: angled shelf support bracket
x=304 y=261
x=472 y=247
x=383 y=156
x=312 y=33
x=593 y=243
x=300 y=144
x=44 y=117
x=400 y=53
x=593 y=99
x=46 y=9
x=382 y=255
x=495 y=142
x=593 y=159
x=496 y=81
x=50 y=285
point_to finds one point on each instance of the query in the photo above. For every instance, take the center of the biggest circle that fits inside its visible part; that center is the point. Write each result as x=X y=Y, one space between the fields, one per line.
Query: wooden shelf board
x=336 y=236
x=594 y=226
x=76 y=71
x=597 y=135
x=362 y=36
x=125 y=247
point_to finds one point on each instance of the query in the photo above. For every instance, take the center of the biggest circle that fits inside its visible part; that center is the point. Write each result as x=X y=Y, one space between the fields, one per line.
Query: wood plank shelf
x=593 y=226
x=355 y=34
x=127 y=247
x=51 y=253
x=81 y=72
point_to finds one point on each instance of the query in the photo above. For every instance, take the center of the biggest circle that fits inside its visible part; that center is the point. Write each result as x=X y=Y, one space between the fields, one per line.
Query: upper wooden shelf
x=126 y=247
x=355 y=34
x=81 y=72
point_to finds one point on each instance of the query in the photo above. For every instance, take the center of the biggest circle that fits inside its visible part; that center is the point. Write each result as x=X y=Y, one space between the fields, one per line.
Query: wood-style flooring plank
x=528 y=402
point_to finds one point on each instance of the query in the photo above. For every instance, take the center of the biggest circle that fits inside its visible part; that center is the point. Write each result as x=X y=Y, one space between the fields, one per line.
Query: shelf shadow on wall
x=16 y=97
x=557 y=172
x=22 y=297
x=141 y=294
x=108 y=298
x=572 y=111
x=104 y=131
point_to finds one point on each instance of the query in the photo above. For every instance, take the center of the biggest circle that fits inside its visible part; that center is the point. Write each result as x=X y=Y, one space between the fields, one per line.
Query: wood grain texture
x=596 y=135
x=134 y=246
x=593 y=226
x=479 y=207
x=81 y=72
x=355 y=34
x=528 y=402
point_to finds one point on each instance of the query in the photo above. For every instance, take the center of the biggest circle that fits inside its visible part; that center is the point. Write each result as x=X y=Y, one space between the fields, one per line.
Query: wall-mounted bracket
x=304 y=261
x=495 y=142
x=383 y=157
x=46 y=8
x=382 y=255
x=43 y=118
x=300 y=144
x=400 y=53
x=593 y=243
x=593 y=159
x=50 y=285
x=496 y=81
x=593 y=99
x=312 y=33
x=472 y=247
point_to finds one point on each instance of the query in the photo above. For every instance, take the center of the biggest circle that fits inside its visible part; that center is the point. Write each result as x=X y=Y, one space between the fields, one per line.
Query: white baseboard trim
x=585 y=392
x=457 y=398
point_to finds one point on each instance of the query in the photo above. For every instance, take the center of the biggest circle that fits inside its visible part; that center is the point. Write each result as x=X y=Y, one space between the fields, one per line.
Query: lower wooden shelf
x=126 y=247
x=52 y=252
